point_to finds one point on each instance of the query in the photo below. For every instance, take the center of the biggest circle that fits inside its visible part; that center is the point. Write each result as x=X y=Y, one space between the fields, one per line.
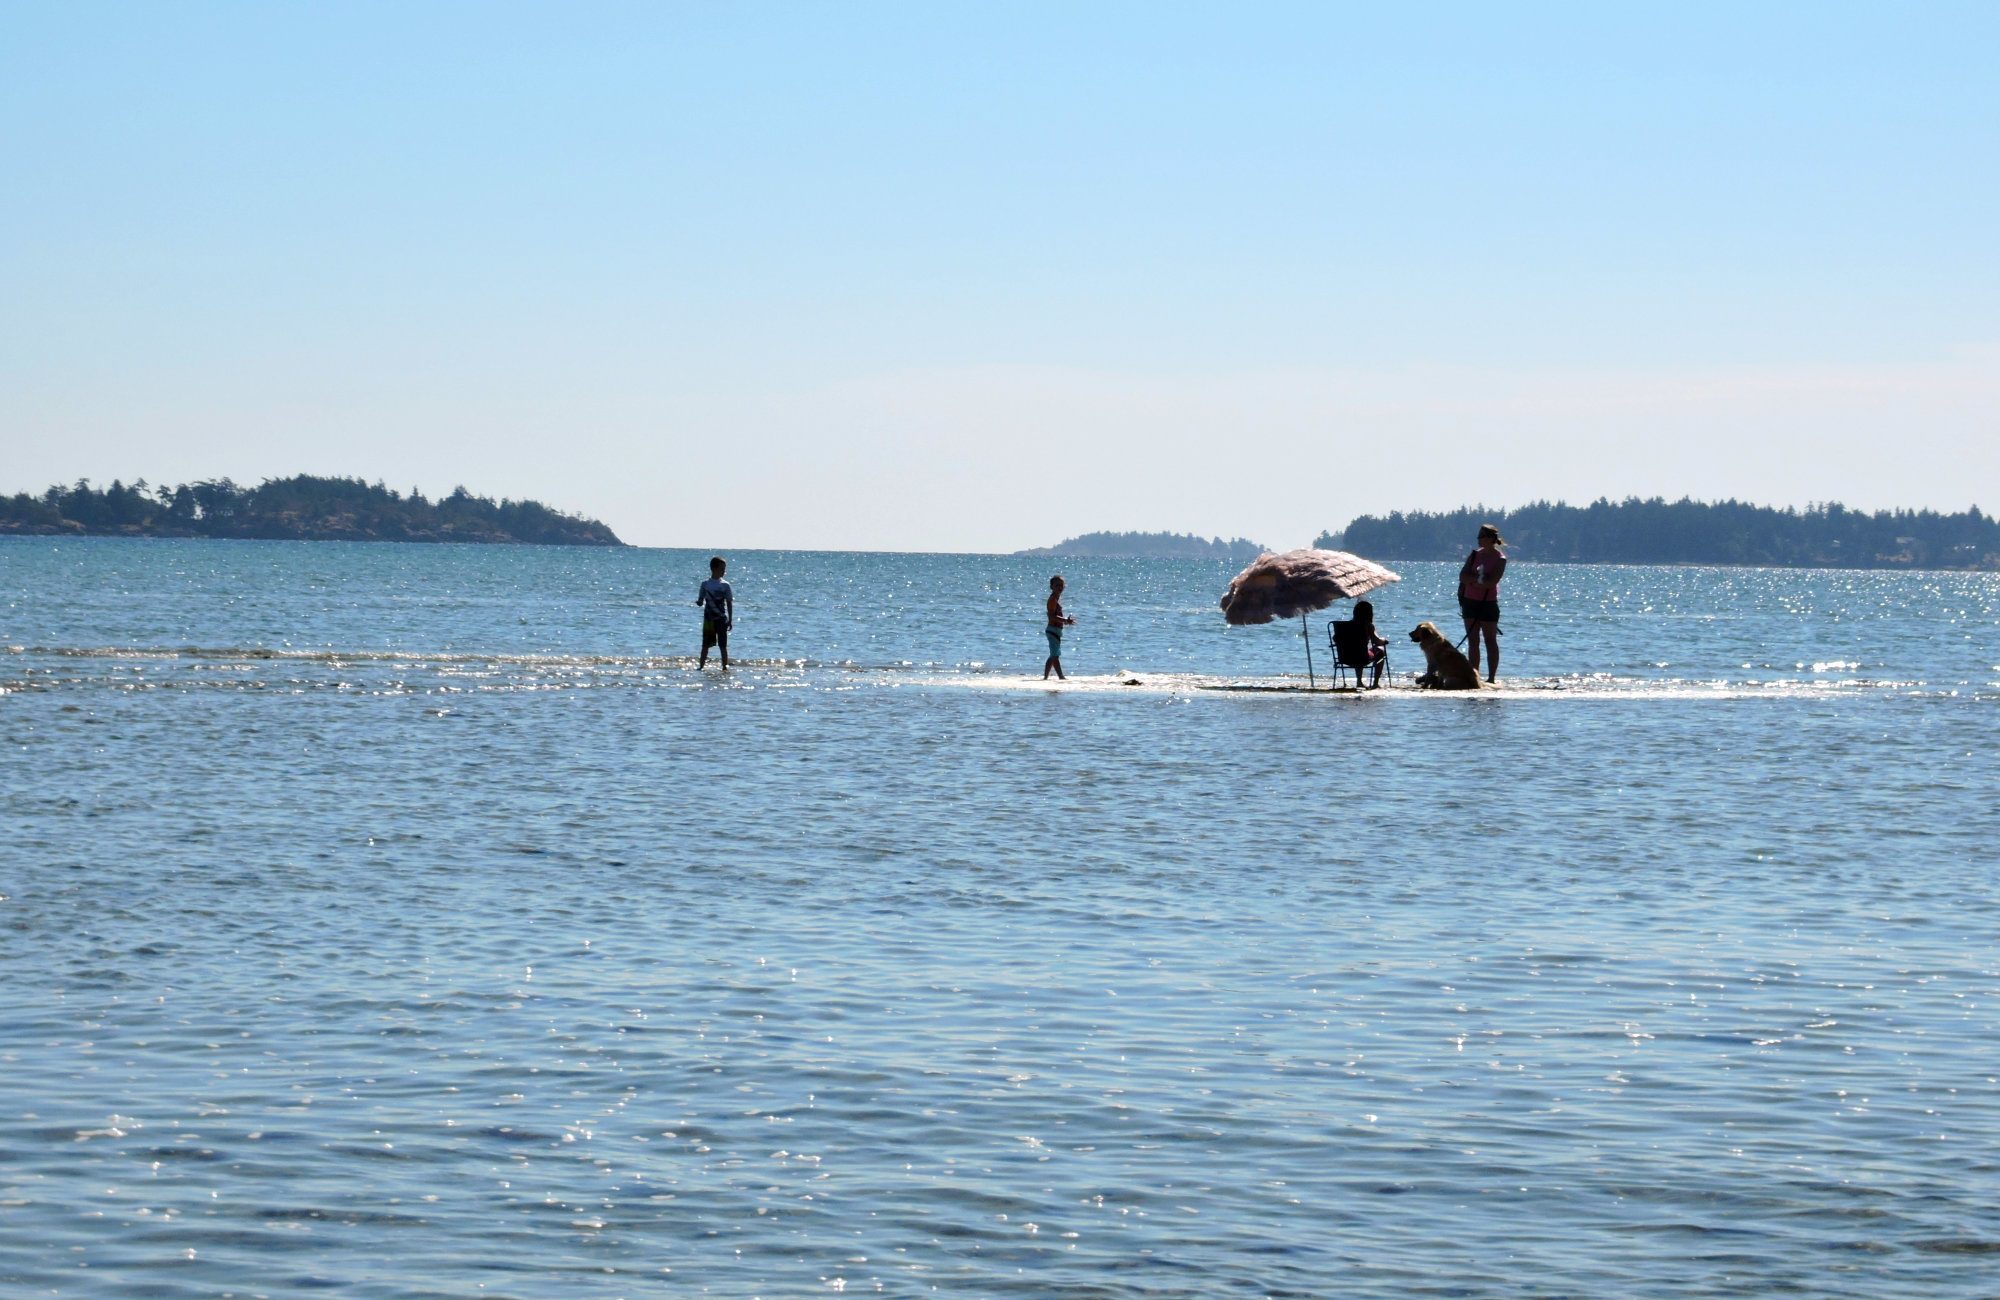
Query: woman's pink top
x=1482 y=579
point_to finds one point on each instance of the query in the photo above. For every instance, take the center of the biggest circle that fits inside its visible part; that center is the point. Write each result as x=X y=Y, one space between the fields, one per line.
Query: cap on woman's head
x=1488 y=530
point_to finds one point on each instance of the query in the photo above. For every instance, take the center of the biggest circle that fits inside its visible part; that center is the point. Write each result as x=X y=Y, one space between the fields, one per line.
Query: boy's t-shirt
x=716 y=598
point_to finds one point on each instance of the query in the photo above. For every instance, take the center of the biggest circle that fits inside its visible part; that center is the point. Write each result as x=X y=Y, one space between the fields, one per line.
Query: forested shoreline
x=303 y=507
x=1657 y=531
x=1176 y=546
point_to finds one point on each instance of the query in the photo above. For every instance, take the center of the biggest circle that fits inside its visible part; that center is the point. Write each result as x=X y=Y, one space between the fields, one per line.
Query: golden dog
x=1444 y=667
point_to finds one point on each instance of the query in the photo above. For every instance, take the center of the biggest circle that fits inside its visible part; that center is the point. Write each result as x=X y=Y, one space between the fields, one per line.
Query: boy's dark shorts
x=1479 y=611
x=714 y=632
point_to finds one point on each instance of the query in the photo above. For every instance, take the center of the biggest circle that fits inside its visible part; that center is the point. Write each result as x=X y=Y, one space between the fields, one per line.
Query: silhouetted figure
x=1479 y=599
x=1057 y=622
x=1358 y=646
x=718 y=612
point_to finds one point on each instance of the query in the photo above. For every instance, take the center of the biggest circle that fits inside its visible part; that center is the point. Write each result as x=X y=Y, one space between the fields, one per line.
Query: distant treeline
x=1658 y=531
x=1152 y=546
x=304 y=507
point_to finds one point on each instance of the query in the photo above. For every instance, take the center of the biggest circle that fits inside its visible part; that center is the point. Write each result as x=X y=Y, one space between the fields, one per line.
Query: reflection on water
x=416 y=920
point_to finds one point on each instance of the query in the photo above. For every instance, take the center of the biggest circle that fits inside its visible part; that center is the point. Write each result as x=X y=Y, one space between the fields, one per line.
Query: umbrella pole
x=1306 y=632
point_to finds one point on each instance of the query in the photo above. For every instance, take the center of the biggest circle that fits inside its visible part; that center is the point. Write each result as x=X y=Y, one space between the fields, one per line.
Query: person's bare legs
x=1492 y=631
x=1472 y=643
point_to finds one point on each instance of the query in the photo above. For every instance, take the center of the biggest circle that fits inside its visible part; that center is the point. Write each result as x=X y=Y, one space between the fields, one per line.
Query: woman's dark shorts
x=1479 y=611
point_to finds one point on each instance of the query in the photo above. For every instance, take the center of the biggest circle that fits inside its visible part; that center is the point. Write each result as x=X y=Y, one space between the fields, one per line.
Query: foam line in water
x=1593 y=687
x=316 y=656
x=375 y=671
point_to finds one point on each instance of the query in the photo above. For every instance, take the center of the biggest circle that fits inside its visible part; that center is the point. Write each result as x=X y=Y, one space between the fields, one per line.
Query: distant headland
x=1657 y=531
x=303 y=508
x=1172 y=546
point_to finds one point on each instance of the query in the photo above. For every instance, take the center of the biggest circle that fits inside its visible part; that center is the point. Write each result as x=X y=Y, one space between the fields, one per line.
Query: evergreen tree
x=1656 y=531
x=303 y=506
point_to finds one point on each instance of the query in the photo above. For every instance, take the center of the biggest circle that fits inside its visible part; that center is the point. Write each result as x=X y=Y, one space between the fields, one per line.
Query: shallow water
x=405 y=920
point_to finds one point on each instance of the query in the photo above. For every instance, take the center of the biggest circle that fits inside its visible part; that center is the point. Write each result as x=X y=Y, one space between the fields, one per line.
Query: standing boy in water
x=1057 y=622
x=718 y=612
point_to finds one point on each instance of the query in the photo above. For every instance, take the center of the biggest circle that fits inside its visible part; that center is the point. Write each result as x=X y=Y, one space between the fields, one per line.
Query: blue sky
x=977 y=277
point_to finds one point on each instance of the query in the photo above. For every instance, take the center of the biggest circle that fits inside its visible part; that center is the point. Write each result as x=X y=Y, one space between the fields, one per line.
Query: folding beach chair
x=1349 y=643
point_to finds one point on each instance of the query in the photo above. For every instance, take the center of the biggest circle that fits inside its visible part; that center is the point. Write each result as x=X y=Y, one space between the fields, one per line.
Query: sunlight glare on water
x=410 y=920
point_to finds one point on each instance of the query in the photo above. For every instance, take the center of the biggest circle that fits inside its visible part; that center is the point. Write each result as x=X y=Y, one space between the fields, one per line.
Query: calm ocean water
x=415 y=920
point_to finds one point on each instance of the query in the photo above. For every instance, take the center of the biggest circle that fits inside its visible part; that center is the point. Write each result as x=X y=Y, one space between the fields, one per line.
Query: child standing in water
x=718 y=612
x=1057 y=622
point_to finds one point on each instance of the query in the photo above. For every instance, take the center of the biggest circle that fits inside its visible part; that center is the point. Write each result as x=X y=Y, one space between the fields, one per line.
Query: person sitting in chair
x=1358 y=646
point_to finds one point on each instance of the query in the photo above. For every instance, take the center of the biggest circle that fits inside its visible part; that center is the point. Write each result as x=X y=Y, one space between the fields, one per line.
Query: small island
x=1657 y=531
x=301 y=508
x=1172 y=546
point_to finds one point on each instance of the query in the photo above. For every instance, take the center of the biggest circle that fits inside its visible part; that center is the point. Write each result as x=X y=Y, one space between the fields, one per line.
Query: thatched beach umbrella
x=1300 y=582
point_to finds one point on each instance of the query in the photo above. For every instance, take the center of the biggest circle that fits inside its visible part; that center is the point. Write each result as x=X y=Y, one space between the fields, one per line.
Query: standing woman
x=1479 y=598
